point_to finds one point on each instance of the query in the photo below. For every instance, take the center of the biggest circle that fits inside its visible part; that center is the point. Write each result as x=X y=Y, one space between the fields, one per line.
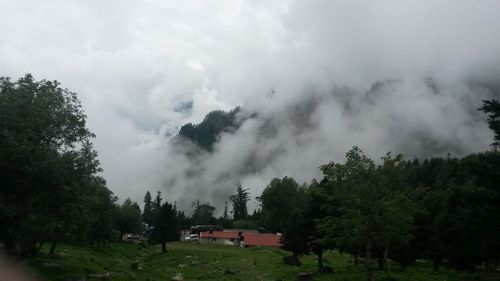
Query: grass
x=212 y=262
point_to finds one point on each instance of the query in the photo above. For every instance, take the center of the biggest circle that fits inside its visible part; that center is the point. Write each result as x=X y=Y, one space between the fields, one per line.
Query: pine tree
x=157 y=203
x=492 y=108
x=240 y=200
x=148 y=208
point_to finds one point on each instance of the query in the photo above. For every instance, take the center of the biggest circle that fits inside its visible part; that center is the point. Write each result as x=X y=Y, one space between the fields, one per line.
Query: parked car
x=192 y=237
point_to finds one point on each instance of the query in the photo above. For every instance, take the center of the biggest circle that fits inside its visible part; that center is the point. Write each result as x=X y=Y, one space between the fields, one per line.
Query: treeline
x=50 y=188
x=442 y=209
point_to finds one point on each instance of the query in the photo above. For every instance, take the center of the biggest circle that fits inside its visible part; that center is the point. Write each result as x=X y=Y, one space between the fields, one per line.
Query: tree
x=158 y=199
x=48 y=166
x=225 y=220
x=278 y=200
x=127 y=218
x=299 y=227
x=492 y=108
x=204 y=214
x=372 y=206
x=167 y=226
x=239 y=201
x=147 y=215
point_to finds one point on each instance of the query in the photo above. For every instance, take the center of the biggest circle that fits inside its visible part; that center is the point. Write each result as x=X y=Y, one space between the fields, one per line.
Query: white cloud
x=133 y=63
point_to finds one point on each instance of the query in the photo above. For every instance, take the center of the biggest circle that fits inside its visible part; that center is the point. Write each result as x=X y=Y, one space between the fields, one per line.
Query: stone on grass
x=326 y=269
x=52 y=266
x=103 y=276
x=291 y=260
x=177 y=277
x=134 y=265
x=304 y=276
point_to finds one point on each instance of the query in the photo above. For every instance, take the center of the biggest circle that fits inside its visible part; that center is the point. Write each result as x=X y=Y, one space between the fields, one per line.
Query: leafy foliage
x=48 y=168
x=127 y=218
x=492 y=108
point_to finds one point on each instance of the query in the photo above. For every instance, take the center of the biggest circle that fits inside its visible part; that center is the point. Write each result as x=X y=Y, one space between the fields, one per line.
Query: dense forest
x=443 y=209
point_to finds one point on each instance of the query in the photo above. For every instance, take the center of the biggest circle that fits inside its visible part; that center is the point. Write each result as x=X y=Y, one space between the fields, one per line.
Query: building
x=243 y=239
x=220 y=237
x=261 y=240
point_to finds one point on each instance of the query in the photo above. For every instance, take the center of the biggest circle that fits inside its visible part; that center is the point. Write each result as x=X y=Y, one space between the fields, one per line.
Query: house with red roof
x=220 y=237
x=245 y=239
x=264 y=240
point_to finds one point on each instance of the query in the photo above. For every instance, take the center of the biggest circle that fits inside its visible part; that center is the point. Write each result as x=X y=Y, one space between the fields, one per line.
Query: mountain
x=206 y=133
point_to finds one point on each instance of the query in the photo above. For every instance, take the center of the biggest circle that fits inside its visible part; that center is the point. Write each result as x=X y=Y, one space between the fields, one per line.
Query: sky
x=308 y=68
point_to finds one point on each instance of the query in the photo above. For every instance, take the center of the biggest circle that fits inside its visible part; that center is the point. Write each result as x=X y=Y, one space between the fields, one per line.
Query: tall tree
x=239 y=201
x=158 y=199
x=127 y=218
x=167 y=226
x=147 y=215
x=278 y=200
x=48 y=166
x=299 y=226
x=204 y=214
x=492 y=108
x=373 y=205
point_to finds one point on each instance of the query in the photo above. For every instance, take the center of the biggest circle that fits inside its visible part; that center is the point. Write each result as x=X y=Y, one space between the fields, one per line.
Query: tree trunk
x=9 y=245
x=436 y=262
x=52 y=248
x=380 y=262
x=40 y=245
x=386 y=265
x=319 y=254
x=163 y=247
x=356 y=260
x=34 y=250
x=121 y=236
x=368 y=255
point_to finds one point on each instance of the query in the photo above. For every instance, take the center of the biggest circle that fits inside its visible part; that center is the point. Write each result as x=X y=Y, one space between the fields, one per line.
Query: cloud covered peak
x=308 y=70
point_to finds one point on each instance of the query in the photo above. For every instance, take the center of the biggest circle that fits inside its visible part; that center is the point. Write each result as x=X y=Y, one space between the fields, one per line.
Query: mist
x=317 y=77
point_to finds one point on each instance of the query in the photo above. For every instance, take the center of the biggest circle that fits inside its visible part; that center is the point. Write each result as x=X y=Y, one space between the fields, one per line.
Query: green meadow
x=192 y=261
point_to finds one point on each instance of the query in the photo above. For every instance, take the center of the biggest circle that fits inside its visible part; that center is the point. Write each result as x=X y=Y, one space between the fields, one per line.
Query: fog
x=321 y=76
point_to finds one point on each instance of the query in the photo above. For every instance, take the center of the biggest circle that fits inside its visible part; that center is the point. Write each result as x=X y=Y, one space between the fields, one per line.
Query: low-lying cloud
x=322 y=76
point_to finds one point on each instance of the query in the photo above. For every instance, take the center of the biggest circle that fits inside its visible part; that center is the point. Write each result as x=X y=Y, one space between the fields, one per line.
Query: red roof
x=255 y=239
x=220 y=234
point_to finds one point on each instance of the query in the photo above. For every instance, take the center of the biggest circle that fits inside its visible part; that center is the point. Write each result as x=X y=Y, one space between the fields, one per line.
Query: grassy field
x=123 y=261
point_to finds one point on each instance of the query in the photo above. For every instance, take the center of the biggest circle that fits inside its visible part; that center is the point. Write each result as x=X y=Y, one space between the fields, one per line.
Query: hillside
x=206 y=133
x=201 y=262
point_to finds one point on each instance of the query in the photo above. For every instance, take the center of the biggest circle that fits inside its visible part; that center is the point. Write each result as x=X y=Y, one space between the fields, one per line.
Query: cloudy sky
x=137 y=65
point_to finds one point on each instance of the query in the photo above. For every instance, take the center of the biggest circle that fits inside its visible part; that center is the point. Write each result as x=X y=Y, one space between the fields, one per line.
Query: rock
x=195 y=263
x=58 y=255
x=291 y=260
x=104 y=276
x=53 y=266
x=134 y=265
x=326 y=269
x=182 y=265
x=177 y=277
x=304 y=276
